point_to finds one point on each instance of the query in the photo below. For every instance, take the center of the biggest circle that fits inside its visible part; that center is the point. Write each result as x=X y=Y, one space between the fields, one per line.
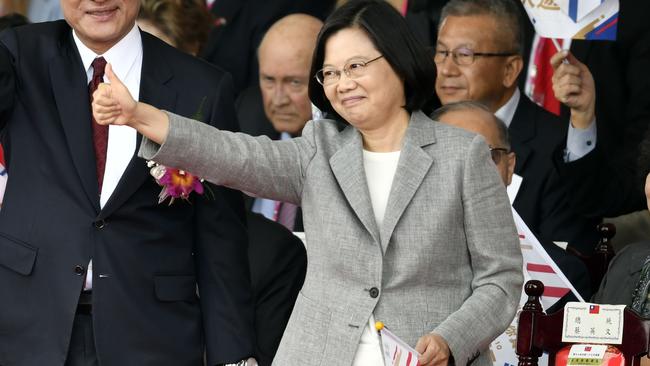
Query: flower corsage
x=175 y=183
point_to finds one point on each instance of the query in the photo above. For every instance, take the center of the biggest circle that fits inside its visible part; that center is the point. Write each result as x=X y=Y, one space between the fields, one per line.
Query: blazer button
x=374 y=292
x=79 y=269
x=99 y=224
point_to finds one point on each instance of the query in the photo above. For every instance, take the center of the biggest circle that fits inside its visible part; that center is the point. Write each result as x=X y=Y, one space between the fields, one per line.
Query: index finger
x=557 y=59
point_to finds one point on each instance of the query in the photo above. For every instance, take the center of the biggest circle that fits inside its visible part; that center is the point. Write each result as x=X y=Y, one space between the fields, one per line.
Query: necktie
x=542 y=79
x=100 y=132
x=285 y=214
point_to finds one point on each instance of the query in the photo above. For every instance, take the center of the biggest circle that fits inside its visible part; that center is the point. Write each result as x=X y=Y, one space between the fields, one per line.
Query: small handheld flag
x=396 y=352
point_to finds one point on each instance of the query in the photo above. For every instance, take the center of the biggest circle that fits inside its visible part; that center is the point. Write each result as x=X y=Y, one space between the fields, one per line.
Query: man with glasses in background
x=479 y=57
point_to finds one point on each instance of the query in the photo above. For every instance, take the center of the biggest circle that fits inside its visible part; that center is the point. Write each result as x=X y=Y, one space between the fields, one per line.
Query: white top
x=380 y=170
x=126 y=59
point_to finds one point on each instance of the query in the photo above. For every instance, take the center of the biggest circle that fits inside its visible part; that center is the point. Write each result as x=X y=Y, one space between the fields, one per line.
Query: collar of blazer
x=414 y=163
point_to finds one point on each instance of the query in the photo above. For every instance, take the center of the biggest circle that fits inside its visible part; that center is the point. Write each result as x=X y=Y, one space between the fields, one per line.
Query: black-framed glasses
x=464 y=56
x=497 y=152
x=352 y=69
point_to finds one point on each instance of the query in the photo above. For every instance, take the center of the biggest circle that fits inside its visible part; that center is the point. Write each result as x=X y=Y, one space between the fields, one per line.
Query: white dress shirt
x=126 y=60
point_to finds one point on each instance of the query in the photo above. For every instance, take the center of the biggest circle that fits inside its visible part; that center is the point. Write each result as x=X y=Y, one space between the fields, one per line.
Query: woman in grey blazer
x=406 y=220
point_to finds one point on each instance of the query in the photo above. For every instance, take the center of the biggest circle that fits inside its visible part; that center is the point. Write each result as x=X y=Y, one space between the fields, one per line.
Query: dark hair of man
x=470 y=105
x=392 y=37
x=510 y=31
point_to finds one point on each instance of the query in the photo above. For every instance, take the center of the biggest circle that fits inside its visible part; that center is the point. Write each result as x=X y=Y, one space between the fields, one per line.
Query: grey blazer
x=447 y=259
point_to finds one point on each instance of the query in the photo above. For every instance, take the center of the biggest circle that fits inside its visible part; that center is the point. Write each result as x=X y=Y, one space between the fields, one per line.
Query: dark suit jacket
x=233 y=45
x=148 y=258
x=542 y=201
x=278 y=262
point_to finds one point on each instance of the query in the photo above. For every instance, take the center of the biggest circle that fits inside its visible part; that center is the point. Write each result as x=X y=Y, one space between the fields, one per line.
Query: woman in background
x=184 y=24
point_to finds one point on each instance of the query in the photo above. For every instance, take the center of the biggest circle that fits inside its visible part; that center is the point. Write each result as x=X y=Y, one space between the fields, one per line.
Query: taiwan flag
x=594 y=309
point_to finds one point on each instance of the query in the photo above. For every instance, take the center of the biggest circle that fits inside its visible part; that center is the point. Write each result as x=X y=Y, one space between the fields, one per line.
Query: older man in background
x=280 y=106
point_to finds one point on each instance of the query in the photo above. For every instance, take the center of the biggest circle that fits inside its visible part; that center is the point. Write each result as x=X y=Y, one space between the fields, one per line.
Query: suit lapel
x=414 y=163
x=347 y=165
x=522 y=129
x=153 y=90
x=70 y=88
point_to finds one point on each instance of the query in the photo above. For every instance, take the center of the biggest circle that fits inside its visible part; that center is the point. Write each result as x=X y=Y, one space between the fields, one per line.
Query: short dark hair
x=390 y=34
x=466 y=105
x=506 y=12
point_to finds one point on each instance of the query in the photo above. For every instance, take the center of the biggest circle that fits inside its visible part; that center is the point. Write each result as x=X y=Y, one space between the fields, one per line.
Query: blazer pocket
x=307 y=331
x=17 y=255
x=175 y=288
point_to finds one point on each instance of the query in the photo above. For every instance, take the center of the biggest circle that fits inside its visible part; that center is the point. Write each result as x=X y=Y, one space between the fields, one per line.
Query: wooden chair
x=538 y=332
x=598 y=262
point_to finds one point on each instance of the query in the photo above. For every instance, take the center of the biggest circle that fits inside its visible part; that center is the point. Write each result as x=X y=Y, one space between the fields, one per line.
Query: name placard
x=592 y=323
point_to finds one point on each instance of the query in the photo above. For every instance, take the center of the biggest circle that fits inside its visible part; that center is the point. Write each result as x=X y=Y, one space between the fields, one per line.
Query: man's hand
x=433 y=349
x=112 y=103
x=574 y=86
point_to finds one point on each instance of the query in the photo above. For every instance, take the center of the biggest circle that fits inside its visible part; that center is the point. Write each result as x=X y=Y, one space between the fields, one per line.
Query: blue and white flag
x=576 y=19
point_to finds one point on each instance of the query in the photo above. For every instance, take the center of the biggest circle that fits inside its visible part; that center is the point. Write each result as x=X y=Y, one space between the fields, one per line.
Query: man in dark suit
x=478 y=55
x=93 y=269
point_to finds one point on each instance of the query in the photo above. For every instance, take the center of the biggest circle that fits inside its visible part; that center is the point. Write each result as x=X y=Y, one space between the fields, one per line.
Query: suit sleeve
x=601 y=187
x=221 y=247
x=257 y=165
x=495 y=256
x=7 y=81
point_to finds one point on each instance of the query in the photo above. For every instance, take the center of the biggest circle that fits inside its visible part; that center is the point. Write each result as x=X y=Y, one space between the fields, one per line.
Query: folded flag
x=396 y=352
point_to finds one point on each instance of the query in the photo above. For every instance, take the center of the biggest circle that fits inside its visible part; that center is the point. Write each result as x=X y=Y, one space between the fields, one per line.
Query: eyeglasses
x=464 y=56
x=497 y=152
x=353 y=69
